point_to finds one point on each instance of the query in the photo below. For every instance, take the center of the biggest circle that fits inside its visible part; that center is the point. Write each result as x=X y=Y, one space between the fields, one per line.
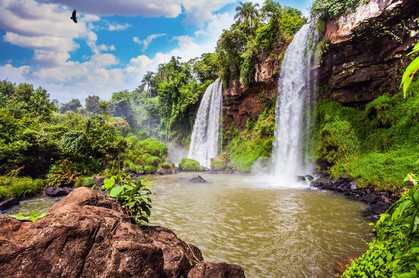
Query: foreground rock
x=87 y=235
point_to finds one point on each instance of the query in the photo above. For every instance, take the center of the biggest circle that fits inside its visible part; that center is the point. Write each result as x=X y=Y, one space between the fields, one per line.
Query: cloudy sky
x=113 y=44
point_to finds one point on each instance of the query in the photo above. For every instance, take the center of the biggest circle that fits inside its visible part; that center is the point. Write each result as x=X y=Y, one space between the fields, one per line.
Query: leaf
x=416 y=197
x=109 y=183
x=407 y=78
x=116 y=191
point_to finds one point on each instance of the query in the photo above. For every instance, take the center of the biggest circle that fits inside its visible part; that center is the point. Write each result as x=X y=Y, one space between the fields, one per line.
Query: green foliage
x=337 y=141
x=375 y=146
x=134 y=196
x=86 y=181
x=188 y=164
x=222 y=163
x=24 y=114
x=73 y=105
x=410 y=71
x=395 y=250
x=63 y=173
x=329 y=9
x=144 y=156
x=254 y=142
x=11 y=187
x=256 y=34
x=379 y=112
x=29 y=216
x=154 y=147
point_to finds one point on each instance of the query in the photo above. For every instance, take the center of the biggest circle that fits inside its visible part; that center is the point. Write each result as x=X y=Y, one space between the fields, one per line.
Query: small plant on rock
x=133 y=195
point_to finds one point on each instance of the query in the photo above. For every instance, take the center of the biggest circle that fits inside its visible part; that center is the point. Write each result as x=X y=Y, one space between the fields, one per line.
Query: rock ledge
x=86 y=234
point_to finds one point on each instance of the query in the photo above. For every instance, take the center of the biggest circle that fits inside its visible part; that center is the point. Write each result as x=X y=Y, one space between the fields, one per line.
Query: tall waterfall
x=205 y=133
x=293 y=108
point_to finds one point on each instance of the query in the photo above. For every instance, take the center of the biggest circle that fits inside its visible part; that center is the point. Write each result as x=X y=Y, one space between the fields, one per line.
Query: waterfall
x=205 y=133
x=293 y=108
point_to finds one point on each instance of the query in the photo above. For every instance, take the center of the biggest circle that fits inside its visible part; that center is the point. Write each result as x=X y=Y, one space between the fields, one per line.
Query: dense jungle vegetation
x=46 y=143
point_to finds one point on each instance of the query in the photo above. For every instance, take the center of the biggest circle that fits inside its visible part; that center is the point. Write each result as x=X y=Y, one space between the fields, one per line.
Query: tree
x=148 y=83
x=92 y=105
x=73 y=105
x=247 y=12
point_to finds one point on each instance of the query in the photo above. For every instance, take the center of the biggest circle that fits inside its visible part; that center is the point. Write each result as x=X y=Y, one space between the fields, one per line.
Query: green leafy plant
x=410 y=71
x=29 y=216
x=133 y=195
x=11 y=187
x=395 y=250
x=188 y=164
x=332 y=8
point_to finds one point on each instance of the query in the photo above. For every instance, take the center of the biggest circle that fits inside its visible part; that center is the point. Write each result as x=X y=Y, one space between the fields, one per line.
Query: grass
x=11 y=187
x=377 y=145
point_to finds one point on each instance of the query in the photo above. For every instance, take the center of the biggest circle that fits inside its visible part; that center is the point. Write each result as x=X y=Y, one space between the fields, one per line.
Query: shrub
x=154 y=147
x=84 y=181
x=188 y=164
x=379 y=112
x=256 y=141
x=395 y=250
x=386 y=132
x=331 y=8
x=337 y=141
x=11 y=187
x=63 y=173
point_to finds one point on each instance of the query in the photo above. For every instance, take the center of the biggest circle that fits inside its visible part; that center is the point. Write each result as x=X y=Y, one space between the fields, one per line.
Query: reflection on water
x=271 y=232
x=39 y=204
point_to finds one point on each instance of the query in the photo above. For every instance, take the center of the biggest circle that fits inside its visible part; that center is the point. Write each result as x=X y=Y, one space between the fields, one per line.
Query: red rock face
x=87 y=235
x=367 y=50
x=241 y=103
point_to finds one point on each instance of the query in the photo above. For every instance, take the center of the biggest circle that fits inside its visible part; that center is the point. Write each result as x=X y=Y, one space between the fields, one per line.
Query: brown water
x=271 y=232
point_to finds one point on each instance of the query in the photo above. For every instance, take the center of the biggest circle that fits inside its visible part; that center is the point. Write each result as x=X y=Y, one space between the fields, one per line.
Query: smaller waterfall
x=205 y=133
x=293 y=108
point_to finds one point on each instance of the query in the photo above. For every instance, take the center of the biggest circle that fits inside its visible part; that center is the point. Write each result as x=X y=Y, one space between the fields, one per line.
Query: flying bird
x=74 y=16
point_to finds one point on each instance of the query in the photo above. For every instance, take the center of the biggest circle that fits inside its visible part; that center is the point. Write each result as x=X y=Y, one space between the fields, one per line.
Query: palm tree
x=247 y=12
x=148 y=82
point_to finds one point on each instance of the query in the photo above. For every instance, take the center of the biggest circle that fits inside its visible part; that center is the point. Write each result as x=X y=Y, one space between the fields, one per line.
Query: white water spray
x=205 y=133
x=292 y=108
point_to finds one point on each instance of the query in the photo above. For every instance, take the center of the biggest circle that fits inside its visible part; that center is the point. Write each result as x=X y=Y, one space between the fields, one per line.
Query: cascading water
x=293 y=108
x=205 y=133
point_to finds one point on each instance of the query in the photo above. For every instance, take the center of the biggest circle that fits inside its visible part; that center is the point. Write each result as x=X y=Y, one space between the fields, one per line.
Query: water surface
x=271 y=232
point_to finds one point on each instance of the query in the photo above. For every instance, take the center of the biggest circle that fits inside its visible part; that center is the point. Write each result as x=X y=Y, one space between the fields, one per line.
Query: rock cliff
x=363 y=57
x=242 y=102
x=87 y=235
x=366 y=50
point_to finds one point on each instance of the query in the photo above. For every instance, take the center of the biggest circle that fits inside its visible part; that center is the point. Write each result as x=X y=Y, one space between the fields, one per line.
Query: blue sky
x=112 y=46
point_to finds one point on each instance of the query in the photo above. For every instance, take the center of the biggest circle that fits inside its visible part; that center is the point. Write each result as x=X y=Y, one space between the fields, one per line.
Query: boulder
x=87 y=234
x=8 y=203
x=198 y=179
x=57 y=191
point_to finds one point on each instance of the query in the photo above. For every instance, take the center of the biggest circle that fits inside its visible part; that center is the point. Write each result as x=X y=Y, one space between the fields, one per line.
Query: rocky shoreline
x=87 y=234
x=378 y=202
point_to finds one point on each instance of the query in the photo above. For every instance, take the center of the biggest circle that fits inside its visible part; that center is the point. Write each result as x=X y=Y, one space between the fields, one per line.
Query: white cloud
x=15 y=74
x=104 y=47
x=147 y=41
x=46 y=28
x=118 y=27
